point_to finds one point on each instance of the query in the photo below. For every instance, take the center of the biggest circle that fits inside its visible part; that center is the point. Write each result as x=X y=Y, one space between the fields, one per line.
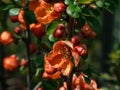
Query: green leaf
x=80 y=22
x=73 y=10
x=51 y=27
x=85 y=1
x=38 y=70
x=68 y=2
x=52 y=39
x=93 y=23
x=39 y=61
x=99 y=3
x=29 y=17
x=14 y=11
x=87 y=79
x=111 y=5
x=94 y=12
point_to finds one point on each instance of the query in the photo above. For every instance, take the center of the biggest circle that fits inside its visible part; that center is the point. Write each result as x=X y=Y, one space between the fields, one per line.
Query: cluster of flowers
x=65 y=54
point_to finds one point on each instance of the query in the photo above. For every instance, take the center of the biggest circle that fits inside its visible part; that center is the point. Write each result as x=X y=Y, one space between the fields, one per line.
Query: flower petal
x=33 y=4
x=67 y=68
x=52 y=76
x=76 y=57
x=60 y=44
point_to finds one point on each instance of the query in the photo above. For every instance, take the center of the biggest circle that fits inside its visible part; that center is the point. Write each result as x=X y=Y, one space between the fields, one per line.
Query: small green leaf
x=51 y=27
x=79 y=23
x=93 y=22
x=14 y=11
x=73 y=10
x=68 y=2
x=99 y=3
x=87 y=79
x=111 y=5
x=85 y=1
x=39 y=60
x=38 y=71
x=52 y=39
x=94 y=12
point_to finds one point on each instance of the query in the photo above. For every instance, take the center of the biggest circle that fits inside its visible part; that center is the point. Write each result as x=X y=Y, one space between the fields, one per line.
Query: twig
x=37 y=86
x=2 y=79
x=27 y=42
x=70 y=29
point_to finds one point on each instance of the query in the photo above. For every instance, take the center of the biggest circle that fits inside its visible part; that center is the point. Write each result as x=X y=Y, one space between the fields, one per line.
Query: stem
x=2 y=79
x=29 y=77
x=70 y=29
x=27 y=42
x=69 y=81
x=37 y=86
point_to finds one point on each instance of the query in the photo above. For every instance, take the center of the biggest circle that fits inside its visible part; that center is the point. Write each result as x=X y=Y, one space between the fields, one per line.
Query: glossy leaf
x=68 y=2
x=14 y=11
x=51 y=27
x=111 y=5
x=87 y=79
x=52 y=39
x=94 y=23
x=99 y=3
x=73 y=10
x=79 y=23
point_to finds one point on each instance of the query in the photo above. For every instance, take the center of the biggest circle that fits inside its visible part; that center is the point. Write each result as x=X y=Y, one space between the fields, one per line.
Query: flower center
x=66 y=52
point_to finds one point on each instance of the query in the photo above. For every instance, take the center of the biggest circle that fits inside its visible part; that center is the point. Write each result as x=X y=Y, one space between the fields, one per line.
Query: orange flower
x=45 y=13
x=78 y=83
x=11 y=63
x=6 y=38
x=58 y=60
x=66 y=48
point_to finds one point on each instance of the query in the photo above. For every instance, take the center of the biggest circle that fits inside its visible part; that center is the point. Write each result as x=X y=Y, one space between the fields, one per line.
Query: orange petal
x=48 y=68
x=33 y=4
x=93 y=84
x=67 y=68
x=56 y=59
x=76 y=57
x=20 y=16
x=60 y=44
x=52 y=76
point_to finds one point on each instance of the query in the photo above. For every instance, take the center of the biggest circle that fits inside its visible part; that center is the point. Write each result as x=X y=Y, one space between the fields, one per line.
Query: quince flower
x=43 y=11
x=59 y=60
x=79 y=83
